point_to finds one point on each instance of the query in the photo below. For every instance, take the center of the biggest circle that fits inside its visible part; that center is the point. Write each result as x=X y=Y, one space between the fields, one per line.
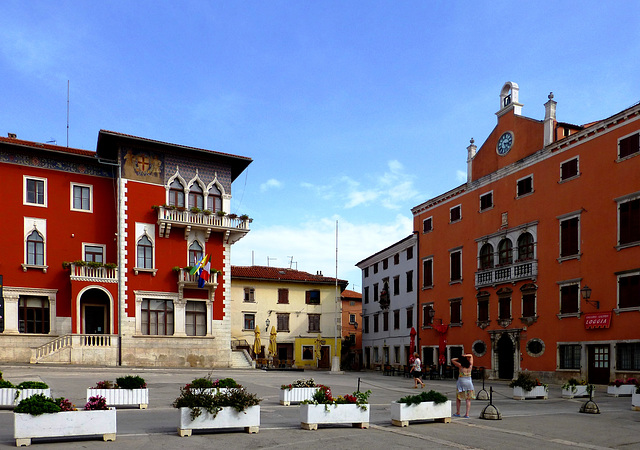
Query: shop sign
x=597 y=320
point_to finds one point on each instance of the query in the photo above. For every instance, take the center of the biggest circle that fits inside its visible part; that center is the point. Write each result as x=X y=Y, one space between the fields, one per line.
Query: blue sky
x=353 y=111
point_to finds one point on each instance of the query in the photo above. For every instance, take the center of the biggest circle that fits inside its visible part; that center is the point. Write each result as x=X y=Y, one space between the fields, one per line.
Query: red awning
x=597 y=320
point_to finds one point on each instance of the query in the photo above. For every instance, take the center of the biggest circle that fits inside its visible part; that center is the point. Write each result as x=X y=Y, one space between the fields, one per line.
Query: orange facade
x=505 y=257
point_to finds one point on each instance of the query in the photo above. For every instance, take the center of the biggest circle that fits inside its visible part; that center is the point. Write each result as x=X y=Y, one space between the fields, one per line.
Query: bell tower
x=509 y=99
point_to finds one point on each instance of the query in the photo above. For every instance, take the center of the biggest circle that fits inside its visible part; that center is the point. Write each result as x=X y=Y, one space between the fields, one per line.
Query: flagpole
x=335 y=366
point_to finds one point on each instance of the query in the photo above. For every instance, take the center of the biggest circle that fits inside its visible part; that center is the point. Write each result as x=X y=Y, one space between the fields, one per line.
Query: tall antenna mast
x=67 y=113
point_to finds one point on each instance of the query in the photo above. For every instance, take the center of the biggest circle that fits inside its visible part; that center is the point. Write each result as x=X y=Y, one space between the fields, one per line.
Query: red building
x=534 y=263
x=95 y=249
x=352 y=328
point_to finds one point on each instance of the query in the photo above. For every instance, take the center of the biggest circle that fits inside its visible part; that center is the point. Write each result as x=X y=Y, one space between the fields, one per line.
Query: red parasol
x=442 y=343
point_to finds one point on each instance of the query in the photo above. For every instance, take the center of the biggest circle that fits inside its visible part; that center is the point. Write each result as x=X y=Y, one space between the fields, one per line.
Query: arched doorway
x=95 y=312
x=505 y=352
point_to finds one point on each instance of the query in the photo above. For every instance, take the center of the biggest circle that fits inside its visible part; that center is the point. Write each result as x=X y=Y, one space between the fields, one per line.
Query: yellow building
x=295 y=309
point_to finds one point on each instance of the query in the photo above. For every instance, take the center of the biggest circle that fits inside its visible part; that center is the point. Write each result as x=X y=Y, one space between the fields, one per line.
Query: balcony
x=188 y=281
x=93 y=274
x=234 y=228
x=520 y=270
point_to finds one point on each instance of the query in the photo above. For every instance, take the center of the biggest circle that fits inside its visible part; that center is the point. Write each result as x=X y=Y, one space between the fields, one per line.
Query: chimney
x=319 y=273
x=471 y=153
x=549 y=120
x=12 y=135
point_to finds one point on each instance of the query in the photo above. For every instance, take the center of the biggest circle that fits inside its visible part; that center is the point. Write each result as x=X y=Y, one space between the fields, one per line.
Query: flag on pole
x=197 y=267
x=205 y=272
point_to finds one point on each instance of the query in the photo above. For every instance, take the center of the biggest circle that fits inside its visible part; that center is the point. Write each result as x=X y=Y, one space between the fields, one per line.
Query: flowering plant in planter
x=526 y=382
x=299 y=384
x=126 y=382
x=40 y=404
x=323 y=396
x=97 y=403
x=618 y=382
x=197 y=399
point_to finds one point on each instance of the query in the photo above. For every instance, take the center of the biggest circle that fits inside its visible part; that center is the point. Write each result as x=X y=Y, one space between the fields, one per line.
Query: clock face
x=504 y=143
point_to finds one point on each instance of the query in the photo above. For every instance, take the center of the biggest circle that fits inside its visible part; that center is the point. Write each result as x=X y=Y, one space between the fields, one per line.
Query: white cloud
x=313 y=245
x=461 y=176
x=270 y=184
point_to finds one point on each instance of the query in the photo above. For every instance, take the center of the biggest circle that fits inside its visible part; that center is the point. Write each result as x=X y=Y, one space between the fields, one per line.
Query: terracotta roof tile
x=347 y=293
x=281 y=274
x=42 y=146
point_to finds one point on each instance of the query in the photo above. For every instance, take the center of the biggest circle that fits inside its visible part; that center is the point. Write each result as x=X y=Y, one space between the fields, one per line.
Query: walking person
x=416 y=369
x=464 y=386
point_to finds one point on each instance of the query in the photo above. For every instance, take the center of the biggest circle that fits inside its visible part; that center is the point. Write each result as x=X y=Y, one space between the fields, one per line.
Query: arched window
x=214 y=200
x=505 y=252
x=145 y=253
x=486 y=257
x=176 y=194
x=525 y=247
x=195 y=253
x=196 y=198
x=35 y=249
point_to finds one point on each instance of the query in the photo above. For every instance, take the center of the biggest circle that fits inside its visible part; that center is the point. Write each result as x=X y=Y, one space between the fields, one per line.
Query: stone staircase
x=240 y=359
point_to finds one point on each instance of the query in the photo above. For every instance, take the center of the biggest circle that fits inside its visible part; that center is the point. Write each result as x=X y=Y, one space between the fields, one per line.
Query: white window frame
x=630 y=273
x=480 y=209
x=102 y=246
x=71 y=189
x=451 y=252
x=244 y=320
x=32 y=224
x=566 y=283
x=24 y=191
x=430 y=229
x=459 y=206
x=532 y=186
x=624 y=158
x=564 y=180
x=423 y=278
x=148 y=230
x=565 y=217
x=620 y=201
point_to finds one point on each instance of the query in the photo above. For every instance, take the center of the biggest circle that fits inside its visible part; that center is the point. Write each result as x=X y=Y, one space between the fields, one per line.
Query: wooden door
x=598 y=364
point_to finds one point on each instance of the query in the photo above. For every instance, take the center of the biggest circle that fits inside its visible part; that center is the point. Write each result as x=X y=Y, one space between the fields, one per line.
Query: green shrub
x=6 y=384
x=131 y=382
x=36 y=405
x=431 y=396
x=226 y=383
x=201 y=383
x=194 y=399
x=32 y=385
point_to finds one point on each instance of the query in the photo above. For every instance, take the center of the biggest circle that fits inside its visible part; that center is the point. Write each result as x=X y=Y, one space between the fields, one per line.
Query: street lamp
x=586 y=296
x=267 y=322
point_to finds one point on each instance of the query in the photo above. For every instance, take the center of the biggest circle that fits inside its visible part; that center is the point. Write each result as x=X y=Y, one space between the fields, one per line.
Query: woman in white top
x=416 y=369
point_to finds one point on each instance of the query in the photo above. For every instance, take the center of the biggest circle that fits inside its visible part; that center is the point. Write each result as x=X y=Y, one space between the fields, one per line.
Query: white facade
x=386 y=332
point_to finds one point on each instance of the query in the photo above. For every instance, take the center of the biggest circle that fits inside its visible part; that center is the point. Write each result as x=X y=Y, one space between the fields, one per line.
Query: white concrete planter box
x=401 y=413
x=296 y=395
x=64 y=424
x=312 y=415
x=122 y=397
x=625 y=390
x=635 y=402
x=537 y=392
x=580 y=391
x=8 y=395
x=227 y=417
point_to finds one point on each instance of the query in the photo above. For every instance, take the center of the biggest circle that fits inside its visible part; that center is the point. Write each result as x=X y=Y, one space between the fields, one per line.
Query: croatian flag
x=205 y=272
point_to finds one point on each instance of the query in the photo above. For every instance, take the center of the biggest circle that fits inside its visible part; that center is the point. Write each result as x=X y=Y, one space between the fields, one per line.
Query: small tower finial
x=550 y=95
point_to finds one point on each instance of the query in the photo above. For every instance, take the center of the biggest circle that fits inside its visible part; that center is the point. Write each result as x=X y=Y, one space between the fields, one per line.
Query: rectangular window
x=33 y=314
x=283 y=321
x=312 y=297
x=94 y=253
x=486 y=201
x=366 y=272
x=483 y=309
x=525 y=186
x=81 y=196
x=396 y=319
x=456 y=265
x=366 y=294
x=427 y=225
x=455 y=307
x=375 y=268
x=35 y=191
x=249 y=294
x=629 y=221
x=375 y=292
x=283 y=295
x=375 y=323
x=569 y=356
x=196 y=319
x=410 y=281
x=249 y=321
x=569 y=237
x=385 y=264
x=396 y=259
x=352 y=319
x=365 y=324
x=629 y=291
x=569 y=169
x=385 y=321
x=427 y=314
x=504 y=308
x=157 y=317
x=396 y=285
x=629 y=145
x=314 y=323
x=628 y=356
x=528 y=305
x=427 y=272
x=409 y=317
x=569 y=299
x=307 y=352
x=455 y=214
x=409 y=253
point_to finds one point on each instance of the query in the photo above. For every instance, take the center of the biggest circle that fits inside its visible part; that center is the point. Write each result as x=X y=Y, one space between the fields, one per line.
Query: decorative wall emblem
x=142 y=166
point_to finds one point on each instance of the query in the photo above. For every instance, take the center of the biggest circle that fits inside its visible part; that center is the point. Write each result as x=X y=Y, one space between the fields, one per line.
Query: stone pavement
x=554 y=423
